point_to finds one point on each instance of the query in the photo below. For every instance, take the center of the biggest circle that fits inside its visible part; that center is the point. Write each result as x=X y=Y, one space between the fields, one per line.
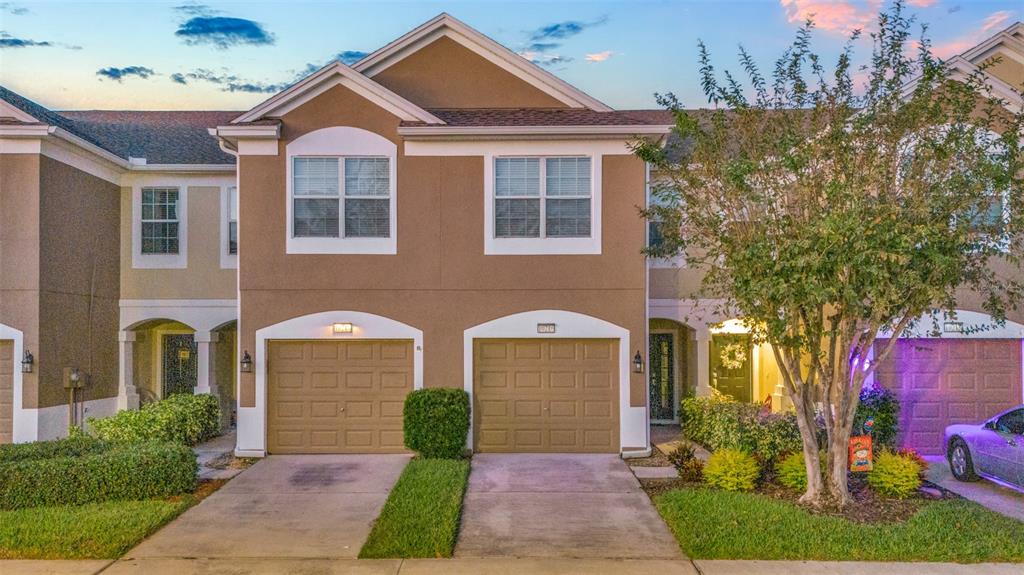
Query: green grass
x=421 y=515
x=721 y=525
x=93 y=531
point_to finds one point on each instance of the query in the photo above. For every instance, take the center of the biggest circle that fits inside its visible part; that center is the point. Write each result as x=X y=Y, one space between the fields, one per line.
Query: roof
x=520 y=117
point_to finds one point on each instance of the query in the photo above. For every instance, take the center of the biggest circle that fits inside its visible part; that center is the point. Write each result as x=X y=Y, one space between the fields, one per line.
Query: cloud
x=224 y=32
x=599 y=56
x=543 y=42
x=953 y=9
x=545 y=59
x=992 y=23
x=228 y=82
x=838 y=16
x=8 y=41
x=563 y=30
x=922 y=3
x=349 y=57
x=13 y=9
x=119 y=74
x=194 y=9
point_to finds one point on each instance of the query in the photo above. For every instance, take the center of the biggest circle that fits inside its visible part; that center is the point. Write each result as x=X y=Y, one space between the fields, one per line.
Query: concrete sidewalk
x=500 y=566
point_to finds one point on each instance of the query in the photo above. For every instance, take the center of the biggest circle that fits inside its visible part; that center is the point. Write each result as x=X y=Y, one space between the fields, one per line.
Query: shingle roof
x=493 y=117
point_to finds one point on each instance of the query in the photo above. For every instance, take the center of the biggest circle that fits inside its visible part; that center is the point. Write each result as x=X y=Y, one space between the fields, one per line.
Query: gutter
x=531 y=131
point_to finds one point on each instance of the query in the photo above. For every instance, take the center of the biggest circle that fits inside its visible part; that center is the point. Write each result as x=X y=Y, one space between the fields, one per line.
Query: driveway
x=284 y=506
x=559 y=505
x=996 y=497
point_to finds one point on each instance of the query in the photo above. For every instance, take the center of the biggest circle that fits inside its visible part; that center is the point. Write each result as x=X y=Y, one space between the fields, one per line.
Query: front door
x=663 y=377
x=731 y=365
x=179 y=363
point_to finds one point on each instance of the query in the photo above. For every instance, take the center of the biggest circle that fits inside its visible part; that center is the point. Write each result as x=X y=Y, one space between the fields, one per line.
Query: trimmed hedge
x=103 y=472
x=182 y=418
x=718 y=422
x=75 y=446
x=436 y=422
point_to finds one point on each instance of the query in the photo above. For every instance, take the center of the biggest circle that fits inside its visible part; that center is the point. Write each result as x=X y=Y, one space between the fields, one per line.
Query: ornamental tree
x=831 y=214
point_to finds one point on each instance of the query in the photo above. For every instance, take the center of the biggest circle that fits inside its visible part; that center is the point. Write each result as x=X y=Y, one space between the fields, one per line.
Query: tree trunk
x=838 y=458
x=812 y=463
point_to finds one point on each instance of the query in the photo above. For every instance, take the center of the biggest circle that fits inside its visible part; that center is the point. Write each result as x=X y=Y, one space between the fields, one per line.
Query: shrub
x=718 y=422
x=792 y=472
x=74 y=446
x=911 y=453
x=732 y=470
x=895 y=475
x=436 y=422
x=181 y=418
x=112 y=471
x=881 y=405
x=686 y=463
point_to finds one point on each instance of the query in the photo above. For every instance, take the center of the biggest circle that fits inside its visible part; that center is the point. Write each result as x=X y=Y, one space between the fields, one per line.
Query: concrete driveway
x=311 y=506
x=559 y=505
x=996 y=497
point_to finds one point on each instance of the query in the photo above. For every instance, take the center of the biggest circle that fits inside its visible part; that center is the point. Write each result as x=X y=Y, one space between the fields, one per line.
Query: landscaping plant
x=883 y=408
x=719 y=422
x=895 y=475
x=911 y=453
x=686 y=463
x=182 y=418
x=732 y=470
x=826 y=211
x=436 y=422
x=792 y=472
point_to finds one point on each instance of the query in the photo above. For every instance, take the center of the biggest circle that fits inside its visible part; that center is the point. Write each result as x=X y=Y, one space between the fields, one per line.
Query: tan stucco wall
x=445 y=74
x=1008 y=70
x=19 y=255
x=78 y=307
x=440 y=281
x=203 y=278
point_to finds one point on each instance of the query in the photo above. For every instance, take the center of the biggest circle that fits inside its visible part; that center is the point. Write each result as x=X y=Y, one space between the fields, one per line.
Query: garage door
x=945 y=381
x=6 y=391
x=337 y=396
x=551 y=395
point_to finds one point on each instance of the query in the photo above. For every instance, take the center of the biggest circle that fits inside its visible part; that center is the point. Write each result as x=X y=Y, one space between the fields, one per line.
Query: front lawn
x=421 y=515
x=93 y=531
x=712 y=524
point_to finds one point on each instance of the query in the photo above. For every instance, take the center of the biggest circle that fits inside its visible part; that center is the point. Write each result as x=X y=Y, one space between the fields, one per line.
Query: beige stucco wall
x=445 y=74
x=440 y=281
x=203 y=278
x=1008 y=70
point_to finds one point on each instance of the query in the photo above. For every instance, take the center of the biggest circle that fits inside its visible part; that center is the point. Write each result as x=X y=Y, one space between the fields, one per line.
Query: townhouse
x=442 y=213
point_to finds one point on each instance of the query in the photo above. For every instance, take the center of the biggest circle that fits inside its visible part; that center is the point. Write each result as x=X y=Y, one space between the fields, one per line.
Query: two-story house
x=442 y=213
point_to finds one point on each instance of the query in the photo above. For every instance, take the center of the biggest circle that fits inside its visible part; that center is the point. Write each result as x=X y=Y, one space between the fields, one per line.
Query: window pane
x=568 y=218
x=568 y=177
x=517 y=177
x=159 y=237
x=367 y=218
x=232 y=204
x=315 y=177
x=991 y=218
x=159 y=204
x=316 y=218
x=232 y=237
x=366 y=177
x=655 y=239
x=517 y=218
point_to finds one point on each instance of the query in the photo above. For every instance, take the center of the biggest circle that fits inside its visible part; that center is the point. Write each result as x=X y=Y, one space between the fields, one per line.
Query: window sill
x=159 y=261
x=542 y=246
x=342 y=246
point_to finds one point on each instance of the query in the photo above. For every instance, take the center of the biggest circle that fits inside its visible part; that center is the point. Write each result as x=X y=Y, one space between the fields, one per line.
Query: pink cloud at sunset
x=841 y=16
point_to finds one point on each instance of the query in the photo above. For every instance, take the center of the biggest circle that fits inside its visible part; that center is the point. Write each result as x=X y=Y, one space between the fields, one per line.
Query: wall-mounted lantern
x=27 y=362
x=638 y=363
x=342 y=327
x=246 y=362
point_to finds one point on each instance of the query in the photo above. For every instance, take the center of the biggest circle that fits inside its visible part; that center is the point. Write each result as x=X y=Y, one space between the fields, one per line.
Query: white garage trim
x=25 y=421
x=632 y=420
x=252 y=421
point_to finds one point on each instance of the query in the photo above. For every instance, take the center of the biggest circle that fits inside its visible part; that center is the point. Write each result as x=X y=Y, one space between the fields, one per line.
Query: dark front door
x=179 y=364
x=731 y=365
x=663 y=377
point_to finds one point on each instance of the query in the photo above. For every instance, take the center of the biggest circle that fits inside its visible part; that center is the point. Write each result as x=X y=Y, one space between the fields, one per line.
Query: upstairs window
x=341 y=197
x=542 y=197
x=232 y=220
x=160 y=223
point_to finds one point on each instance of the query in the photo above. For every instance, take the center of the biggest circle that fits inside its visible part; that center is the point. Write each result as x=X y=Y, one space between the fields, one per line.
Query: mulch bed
x=657 y=459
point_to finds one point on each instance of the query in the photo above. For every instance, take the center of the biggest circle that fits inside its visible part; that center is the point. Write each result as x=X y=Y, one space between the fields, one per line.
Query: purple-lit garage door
x=945 y=381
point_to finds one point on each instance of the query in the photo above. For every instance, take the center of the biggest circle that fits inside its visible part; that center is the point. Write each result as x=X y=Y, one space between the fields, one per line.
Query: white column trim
x=25 y=422
x=632 y=420
x=252 y=421
x=203 y=339
x=127 y=395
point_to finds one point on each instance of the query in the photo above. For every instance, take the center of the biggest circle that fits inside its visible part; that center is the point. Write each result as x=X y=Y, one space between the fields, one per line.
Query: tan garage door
x=945 y=381
x=551 y=395
x=6 y=391
x=337 y=396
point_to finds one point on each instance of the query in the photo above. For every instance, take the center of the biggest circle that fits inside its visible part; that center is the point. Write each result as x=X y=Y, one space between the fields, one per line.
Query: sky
x=195 y=55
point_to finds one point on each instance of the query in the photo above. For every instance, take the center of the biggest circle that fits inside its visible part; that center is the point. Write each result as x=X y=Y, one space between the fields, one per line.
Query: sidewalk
x=269 y=566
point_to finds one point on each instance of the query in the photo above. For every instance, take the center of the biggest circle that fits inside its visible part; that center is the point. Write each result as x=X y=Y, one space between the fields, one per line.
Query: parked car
x=993 y=450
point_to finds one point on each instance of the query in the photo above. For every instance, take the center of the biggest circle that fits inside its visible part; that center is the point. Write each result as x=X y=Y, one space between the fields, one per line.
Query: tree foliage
x=829 y=205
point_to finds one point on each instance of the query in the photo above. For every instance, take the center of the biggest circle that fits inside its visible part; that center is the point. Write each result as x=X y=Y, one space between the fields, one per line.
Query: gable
x=1008 y=70
x=446 y=74
x=339 y=106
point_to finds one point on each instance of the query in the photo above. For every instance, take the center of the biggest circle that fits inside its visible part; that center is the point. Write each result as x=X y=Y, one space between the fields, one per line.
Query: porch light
x=638 y=363
x=342 y=327
x=27 y=362
x=246 y=362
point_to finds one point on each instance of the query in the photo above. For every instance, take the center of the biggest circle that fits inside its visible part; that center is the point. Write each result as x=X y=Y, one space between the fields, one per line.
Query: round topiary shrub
x=732 y=470
x=436 y=422
x=895 y=475
x=792 y=472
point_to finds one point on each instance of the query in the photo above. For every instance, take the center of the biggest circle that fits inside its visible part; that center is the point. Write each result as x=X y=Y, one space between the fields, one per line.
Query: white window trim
x=543 y=245
x=228 y=260
x=342 y=142
x=160 y=261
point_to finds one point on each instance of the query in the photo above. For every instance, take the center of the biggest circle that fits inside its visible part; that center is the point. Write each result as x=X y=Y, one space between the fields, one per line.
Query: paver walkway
x=311 y=506
x=996 y=497
x=559 y=505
